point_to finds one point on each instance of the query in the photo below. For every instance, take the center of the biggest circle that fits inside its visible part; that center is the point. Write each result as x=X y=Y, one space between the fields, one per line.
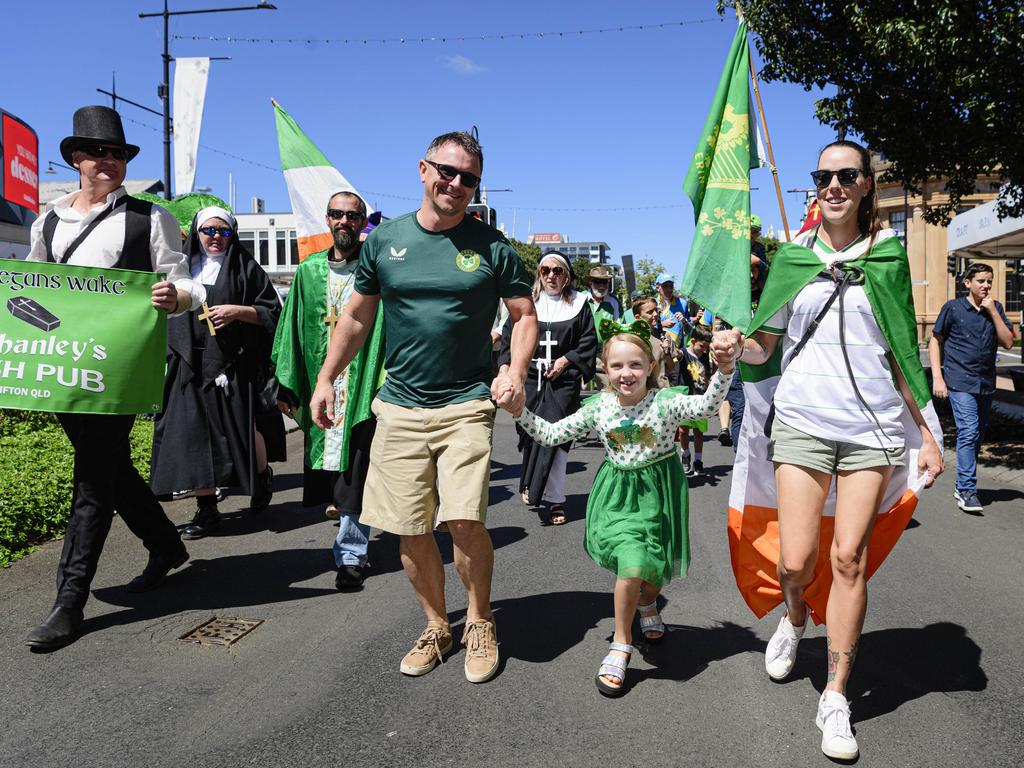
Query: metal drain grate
x=217 y=631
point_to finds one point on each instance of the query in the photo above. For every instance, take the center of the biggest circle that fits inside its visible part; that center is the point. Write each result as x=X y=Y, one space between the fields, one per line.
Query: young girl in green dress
x=637 y=511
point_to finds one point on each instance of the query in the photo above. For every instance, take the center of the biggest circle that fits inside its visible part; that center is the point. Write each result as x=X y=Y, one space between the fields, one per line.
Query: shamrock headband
x=639 y=328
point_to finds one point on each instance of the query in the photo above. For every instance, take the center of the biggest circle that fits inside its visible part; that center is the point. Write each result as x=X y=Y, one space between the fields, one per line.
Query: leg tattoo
x=834 y=656
x=833 y=659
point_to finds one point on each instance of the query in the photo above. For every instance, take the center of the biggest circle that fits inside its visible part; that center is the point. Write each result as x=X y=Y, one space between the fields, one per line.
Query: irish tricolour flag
x=311 y=180
x=753 y=508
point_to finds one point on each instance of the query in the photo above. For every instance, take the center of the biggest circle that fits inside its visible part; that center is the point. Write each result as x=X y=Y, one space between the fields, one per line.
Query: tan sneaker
x=481 y=641
x=429 y=650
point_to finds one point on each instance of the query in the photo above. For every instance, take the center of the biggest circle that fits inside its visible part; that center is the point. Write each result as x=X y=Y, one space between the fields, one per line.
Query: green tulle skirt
x=637 y=521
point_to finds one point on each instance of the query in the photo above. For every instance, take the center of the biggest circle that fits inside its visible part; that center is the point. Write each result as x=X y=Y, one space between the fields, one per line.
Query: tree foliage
x=528 y=254
x=934 y=85
x=647 y=271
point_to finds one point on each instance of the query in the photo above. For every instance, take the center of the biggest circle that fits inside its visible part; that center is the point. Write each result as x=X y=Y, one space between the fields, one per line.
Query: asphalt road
x=938 y=680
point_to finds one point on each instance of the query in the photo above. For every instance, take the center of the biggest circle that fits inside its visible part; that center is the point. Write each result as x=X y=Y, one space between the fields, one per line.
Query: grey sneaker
x=833 y=719
x=967 y=500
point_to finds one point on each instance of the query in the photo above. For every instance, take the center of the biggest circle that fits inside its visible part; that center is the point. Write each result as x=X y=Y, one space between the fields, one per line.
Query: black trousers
x=105 y=480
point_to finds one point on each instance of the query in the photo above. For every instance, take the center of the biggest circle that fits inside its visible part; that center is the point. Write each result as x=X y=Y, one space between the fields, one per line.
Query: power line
x=448 y=38
x=370 y=193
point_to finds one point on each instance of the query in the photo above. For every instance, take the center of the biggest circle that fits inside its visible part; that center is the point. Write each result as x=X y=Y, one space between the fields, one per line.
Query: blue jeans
x=971 y=414
x=352 y=541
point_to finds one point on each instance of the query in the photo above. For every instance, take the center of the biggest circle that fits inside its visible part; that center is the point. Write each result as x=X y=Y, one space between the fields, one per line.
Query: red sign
x=21 y=164
x=547 y=237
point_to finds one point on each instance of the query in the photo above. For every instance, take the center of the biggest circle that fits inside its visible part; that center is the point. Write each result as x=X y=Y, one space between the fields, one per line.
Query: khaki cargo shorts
x=789 y=445
x=428 y=466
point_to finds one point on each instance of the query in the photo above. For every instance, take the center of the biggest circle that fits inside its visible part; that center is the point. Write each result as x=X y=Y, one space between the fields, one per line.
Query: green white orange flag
x=718 y=183
x=753 y=526
x=311 y=180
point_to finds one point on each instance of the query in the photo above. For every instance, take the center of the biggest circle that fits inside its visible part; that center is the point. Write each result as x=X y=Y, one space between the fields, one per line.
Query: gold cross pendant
x=206 y=316
x=331 y=320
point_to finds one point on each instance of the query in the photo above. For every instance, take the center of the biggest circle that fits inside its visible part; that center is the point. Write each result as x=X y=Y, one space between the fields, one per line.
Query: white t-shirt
x=815 y=394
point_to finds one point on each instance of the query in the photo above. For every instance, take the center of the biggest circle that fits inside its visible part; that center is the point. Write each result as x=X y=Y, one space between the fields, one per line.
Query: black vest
x=135 y=254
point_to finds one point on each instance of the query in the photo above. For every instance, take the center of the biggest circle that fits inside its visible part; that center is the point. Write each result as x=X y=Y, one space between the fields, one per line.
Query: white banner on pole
x=190 y=76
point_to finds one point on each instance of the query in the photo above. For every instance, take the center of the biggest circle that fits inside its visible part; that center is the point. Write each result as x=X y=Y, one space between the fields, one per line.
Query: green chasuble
x=887 y=286
x=300 y=348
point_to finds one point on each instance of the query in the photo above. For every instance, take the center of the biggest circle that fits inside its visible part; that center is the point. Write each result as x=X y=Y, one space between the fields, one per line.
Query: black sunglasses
x=336 y=214
x=211 y=231
x=847 y=177
x=99 y=152
x=449 y=172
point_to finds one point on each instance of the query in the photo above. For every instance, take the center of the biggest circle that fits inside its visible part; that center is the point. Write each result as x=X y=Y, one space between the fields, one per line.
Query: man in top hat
x=100 y=225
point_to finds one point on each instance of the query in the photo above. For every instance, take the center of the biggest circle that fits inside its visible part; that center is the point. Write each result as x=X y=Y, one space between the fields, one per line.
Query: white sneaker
x=780 y=655
x=833 y=719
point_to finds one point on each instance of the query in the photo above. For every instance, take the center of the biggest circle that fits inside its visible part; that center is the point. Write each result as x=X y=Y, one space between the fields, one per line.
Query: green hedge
x=36 y=467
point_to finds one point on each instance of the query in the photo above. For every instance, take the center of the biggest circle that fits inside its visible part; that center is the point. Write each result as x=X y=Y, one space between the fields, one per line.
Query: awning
x=978 y=233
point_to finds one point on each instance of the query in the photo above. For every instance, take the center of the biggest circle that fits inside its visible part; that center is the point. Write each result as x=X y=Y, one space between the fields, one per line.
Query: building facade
x=596 y=251
x=926 y=244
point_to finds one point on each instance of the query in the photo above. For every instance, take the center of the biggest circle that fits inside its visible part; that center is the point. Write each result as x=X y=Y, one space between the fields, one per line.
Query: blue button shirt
x=969 y=351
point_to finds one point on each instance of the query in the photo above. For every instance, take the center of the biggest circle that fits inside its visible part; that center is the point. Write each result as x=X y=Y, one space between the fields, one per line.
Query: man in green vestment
x=336 y=458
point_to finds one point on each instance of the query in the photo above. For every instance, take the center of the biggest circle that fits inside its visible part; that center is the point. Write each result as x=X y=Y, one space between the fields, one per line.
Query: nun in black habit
x=565 y=358
x=208 y=435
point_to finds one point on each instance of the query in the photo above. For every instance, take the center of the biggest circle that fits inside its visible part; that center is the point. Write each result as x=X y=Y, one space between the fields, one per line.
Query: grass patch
x=36 y=471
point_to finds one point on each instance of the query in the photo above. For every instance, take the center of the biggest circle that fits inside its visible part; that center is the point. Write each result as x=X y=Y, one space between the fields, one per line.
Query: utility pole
x=164 y=90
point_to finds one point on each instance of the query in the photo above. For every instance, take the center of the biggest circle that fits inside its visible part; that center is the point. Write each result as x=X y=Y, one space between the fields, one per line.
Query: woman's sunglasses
x=222 y=231
x=556 y=271
x=98 y=152
x=847 y=177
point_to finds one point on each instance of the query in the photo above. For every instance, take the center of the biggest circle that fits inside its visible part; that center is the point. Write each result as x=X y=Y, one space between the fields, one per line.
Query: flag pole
x=764 y=127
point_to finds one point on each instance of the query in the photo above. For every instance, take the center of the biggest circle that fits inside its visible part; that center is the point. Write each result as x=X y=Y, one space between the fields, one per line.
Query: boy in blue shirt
x=964 y=340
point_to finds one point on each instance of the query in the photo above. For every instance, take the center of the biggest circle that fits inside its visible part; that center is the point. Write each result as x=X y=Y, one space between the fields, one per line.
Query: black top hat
x=96 y=125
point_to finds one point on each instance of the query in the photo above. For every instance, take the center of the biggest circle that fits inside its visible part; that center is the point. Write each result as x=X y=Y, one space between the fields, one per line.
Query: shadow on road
x=256 y=578
x=566 y=617
x=687 y=651
x=895 y=666
x=994 y=495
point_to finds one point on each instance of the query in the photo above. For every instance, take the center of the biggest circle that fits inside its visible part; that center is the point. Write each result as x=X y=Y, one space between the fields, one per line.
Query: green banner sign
x=80 y=339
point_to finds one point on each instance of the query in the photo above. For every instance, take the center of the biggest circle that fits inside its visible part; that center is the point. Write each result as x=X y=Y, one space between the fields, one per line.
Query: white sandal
x=652 y=623
x=614 y=666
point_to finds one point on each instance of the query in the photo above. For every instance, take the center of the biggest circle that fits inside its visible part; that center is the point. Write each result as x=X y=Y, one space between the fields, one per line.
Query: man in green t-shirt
x=440 y=275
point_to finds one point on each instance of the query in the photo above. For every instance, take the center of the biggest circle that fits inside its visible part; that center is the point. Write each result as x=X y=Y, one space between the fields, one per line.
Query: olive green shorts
x=791 y=446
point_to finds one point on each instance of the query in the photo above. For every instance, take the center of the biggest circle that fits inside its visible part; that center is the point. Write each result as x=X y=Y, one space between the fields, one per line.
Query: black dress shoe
x=61 y=628
x=349 y=577
x=205 y=521
x=159 y=565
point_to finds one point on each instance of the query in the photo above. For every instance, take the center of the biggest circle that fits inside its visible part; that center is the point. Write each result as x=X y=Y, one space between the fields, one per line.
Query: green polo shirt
x=440 y=292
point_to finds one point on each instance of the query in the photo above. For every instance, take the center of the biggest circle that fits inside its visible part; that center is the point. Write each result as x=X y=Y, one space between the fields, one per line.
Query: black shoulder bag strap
x=841 y=283
x=50 y=226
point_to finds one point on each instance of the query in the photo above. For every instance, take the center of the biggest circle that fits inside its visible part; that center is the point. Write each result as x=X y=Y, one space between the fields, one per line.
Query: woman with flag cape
x=842 y=396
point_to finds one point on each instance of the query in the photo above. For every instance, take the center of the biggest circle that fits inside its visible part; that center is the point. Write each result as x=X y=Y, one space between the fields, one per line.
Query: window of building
x=248 y=240
x=281 y=249
x=263 y=246
x=1014 y=286
x=293 y=243
x=898 y=222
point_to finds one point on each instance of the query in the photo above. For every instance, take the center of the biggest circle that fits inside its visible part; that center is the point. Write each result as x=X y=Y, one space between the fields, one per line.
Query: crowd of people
x=401 y=441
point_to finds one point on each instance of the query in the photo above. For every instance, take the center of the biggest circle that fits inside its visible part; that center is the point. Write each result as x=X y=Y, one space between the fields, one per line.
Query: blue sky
x=593 y=121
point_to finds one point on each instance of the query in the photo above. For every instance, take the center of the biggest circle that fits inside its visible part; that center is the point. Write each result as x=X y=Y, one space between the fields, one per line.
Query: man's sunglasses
x=222 y=231
x=99 y=152
x=449 y=172
x=847 y=177
x=336 y=214
x=556 y=271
